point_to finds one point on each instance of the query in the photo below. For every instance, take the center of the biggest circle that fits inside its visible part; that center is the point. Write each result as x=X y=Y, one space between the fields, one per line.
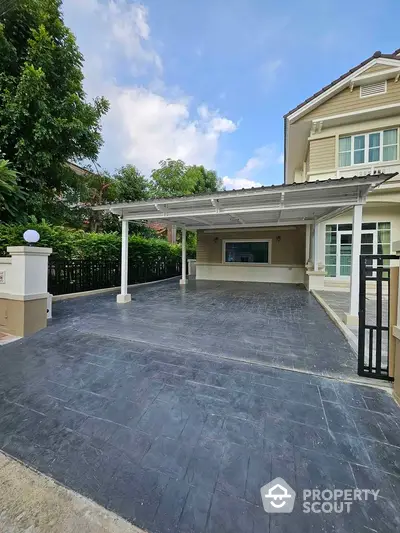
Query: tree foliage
x=45 y=119
x=77 y=244
x=175 y=178
x=10 y=193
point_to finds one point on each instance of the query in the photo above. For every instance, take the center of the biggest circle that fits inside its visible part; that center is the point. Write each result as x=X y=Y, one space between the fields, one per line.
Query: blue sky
x=209 y=80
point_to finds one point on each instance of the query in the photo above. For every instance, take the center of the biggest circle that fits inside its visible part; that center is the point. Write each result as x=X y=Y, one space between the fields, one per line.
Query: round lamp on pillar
x=31 y=236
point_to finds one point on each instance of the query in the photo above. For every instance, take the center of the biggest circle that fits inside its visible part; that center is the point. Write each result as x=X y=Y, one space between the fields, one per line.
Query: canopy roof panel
x=299 y=203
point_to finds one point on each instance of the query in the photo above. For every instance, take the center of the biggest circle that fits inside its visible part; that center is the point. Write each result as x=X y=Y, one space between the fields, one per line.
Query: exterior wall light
x=31 y=236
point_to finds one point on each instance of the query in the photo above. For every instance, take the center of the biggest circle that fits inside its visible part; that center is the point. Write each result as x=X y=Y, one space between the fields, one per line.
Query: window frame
x=225 y=241
x=338 y=232
x=366 y=136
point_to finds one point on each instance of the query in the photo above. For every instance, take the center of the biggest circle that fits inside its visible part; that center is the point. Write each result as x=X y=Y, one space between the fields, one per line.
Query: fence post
x=395 y=333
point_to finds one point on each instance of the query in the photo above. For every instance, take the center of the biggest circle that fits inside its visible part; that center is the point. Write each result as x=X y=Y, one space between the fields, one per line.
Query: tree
x=174 y=178
x=10 y=193
x=44 y=117
x=130 y=185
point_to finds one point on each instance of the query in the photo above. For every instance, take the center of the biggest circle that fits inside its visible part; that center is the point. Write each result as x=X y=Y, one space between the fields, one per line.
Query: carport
x=299 y=205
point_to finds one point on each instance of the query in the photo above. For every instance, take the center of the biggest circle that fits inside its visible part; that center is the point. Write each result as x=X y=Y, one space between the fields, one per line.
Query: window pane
x=359 y=157
x=346 y=238
x=384 y=235
x=389 y=137
x=330 y=271
x=367 y=238
x=345 y=159
x=331 y=227
x=345 y=266
x=369 y=225
x=330 y=238
x=345 y=249
x=367 y=249
x=246 y=252
x=383 y=225
x=345 y=227
x=373 y=154
x=374 y=140
x=330 y=249
x=390 y=153
x=359 y=142
x=384 y=249
x=344 y=144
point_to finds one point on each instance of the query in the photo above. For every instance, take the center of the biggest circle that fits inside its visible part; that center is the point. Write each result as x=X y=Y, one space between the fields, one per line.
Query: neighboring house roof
x=395 y=55
x=79 y=170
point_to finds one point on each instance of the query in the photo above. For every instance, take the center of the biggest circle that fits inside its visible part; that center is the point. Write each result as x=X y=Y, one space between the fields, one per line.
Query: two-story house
x=351 y=128
x=341 y=195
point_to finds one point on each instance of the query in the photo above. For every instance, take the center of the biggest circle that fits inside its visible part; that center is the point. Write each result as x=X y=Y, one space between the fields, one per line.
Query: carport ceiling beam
x=234 y=211
x=267 y=223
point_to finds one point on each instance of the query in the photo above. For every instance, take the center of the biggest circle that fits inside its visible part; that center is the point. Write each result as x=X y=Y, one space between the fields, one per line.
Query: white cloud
x=147 y=121
x=264 y=157
x=239 y=183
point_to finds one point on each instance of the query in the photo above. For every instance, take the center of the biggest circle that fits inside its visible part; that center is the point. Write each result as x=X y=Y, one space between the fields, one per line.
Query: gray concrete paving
x=339 y=302
x=33 y=503
x=173 y=438
x=275 y=324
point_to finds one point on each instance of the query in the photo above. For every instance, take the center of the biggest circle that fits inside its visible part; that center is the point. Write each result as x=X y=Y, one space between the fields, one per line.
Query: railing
x=80 y=275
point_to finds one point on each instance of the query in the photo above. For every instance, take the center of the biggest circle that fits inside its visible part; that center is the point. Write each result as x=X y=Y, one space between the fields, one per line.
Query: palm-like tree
x=10 y=193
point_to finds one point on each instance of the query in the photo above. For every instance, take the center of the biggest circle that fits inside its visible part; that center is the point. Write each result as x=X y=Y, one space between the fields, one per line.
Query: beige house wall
x=19 y=317
x=322 y=154
x=376 y=68
x=348 y=101
x=287 y=245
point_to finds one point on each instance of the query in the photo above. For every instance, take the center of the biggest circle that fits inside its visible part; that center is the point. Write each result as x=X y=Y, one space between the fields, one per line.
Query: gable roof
x=395 y=55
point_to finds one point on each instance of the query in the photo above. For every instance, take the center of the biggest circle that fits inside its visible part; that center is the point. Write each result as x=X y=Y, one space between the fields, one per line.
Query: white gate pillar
x=124 y=297
x=183 y=280
x=351 y=317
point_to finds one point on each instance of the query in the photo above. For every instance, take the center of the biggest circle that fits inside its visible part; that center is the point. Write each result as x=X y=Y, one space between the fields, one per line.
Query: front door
x=369 y=246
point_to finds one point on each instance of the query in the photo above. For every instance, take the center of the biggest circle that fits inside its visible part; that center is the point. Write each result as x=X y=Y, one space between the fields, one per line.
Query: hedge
x=76 y=244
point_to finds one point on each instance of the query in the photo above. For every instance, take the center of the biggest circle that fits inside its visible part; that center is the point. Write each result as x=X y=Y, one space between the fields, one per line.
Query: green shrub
x=77 y=244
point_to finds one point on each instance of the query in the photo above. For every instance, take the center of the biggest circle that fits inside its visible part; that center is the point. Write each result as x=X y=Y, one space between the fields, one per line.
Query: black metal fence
x=374 y=317
x=66 y=276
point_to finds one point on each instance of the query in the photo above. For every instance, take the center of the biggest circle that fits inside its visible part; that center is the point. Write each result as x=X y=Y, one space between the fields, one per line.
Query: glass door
x=343 y=266
x=369 y=246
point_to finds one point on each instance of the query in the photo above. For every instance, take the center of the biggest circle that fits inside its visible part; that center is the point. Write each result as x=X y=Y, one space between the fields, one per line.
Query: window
x=246 y=251
x=368 y=148
x=375 y=239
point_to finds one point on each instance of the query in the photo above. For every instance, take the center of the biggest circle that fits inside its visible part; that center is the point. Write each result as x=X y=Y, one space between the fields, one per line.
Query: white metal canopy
x=302 y=203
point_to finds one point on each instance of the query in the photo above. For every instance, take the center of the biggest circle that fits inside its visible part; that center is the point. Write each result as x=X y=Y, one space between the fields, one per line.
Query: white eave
x=265 y=206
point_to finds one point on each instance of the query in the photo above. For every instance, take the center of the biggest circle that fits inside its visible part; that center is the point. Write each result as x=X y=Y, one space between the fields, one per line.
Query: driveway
x=276 y=324
x=179 y=440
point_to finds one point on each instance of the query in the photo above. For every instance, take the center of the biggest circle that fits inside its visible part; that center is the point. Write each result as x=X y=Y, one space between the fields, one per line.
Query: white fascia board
x=354 y=114
x=339 y=86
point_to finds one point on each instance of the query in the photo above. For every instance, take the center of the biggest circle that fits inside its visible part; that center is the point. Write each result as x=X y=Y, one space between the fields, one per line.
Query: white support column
x=352 y=315
x=183 y=280
x=316 y=247
x=308 y=242
x=124 y=297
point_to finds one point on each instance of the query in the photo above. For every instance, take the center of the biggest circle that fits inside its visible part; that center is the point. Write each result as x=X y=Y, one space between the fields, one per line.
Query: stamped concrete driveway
x=180 y=440
x=275 y=324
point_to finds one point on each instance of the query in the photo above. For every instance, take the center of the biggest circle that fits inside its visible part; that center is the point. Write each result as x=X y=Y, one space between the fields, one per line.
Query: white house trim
x=339 y=86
